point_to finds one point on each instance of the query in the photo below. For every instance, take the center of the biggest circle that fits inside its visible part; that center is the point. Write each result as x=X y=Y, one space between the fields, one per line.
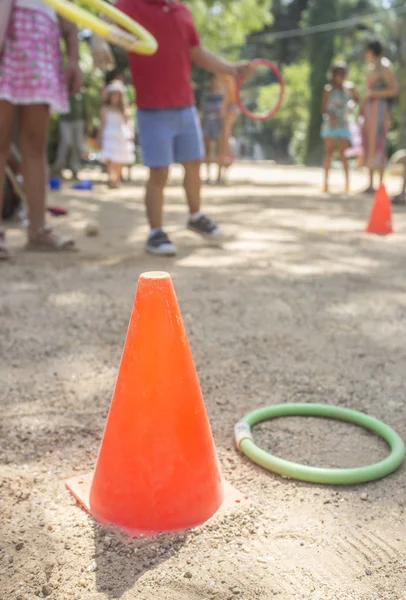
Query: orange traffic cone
x=380 y=218
x=157 y=468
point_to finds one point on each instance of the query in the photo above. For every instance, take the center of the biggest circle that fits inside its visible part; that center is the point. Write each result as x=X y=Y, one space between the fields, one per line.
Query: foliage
x=228 y=22
x=247 y=28
x=289 y=124
x=321 y=53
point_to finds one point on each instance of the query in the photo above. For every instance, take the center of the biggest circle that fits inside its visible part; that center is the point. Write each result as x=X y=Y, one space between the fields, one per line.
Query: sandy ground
x=299 y=305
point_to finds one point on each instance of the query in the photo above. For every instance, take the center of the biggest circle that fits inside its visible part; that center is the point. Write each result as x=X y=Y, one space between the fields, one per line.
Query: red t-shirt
x=163 y=80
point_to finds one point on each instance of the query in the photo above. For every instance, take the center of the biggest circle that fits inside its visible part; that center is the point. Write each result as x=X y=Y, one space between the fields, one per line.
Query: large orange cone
x=380 y=219
x=157 y=468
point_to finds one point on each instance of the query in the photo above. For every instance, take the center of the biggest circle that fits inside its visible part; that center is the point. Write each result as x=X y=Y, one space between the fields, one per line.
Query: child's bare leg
x=328 y=156
x=33 y=141
x=192 y=185
x=114 y=173
x=110 y=172
x=154 y=195
x=220 y=173
x=344 y=162
x=371 y=180
x=207 y=148
x=381 y=174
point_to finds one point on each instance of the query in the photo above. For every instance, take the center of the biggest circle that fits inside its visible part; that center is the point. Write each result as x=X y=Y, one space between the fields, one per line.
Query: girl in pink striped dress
x=34 y=81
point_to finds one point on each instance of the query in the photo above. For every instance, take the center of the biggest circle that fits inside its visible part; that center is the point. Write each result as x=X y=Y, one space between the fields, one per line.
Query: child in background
x=212 y=121
x=168 y=125
x=336 y=131
x=117 y=146
x=382 y=88
x=33 y=79
x=231 y=113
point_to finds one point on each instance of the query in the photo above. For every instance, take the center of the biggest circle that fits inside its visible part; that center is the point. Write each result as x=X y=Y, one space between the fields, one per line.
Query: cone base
x=373 y=232
x=79 y=487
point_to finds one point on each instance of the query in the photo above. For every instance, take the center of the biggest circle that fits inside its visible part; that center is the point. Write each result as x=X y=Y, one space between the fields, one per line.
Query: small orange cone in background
x=157 y=468
x=380 y=218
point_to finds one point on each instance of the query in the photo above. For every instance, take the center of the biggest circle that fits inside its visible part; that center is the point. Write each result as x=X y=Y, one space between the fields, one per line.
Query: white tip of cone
x=155 y=275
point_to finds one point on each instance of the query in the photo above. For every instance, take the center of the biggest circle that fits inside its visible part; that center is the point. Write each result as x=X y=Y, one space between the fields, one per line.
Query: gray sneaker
x=205 y=227
x=159 y=244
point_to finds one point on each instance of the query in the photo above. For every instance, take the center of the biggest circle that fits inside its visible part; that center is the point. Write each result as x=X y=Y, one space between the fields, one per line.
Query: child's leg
x=344 y=161
x=114 y=170
x=231 y=122
x=224 y=143
x=118 y=173
x=371 y=180
x=154 y=196
x=65 y=144
x=220 y=173
x=381 y=174
x=328 y=155
x=222 y=166
x=33 y=141
x=207 y=150
x=192 y=186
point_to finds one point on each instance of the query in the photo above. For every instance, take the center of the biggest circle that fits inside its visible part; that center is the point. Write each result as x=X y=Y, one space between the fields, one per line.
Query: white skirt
x=116 y=147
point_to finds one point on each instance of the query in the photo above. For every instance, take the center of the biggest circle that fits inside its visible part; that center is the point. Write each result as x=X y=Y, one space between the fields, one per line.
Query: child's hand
x=369 y=95
x=243 y=69
x=74 y=78
x=102 y=55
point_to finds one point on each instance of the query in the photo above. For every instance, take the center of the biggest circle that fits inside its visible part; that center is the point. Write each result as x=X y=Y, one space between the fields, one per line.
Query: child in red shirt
x=168 y=125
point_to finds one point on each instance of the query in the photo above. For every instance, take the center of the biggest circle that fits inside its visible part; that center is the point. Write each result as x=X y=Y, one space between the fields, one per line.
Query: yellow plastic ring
x=134 y=39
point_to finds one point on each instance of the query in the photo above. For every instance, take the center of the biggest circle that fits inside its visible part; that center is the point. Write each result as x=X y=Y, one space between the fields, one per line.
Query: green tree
x=227 y=23
x=402 y=85
x=288 y=127
x=321 y=53
x=287 y=16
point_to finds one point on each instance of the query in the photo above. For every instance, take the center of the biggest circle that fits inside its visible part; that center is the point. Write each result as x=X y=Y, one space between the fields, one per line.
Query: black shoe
x=206 y=228
x=159 y=244
x=399 y=199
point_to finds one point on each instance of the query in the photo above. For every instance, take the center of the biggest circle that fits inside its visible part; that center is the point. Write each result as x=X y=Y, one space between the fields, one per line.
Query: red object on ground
x=157 y=468
x=57 y=211
x=272 y=111
x=380 y=218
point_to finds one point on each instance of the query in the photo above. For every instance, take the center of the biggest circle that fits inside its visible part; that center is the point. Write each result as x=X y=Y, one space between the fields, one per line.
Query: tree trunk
x=402 y=87
x=321 y=53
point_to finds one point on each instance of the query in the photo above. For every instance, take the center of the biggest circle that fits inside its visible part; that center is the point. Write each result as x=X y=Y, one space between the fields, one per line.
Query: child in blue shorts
x=168 y=126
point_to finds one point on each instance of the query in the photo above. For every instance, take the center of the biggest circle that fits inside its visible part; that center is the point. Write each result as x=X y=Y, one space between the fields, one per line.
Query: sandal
x=46 y=240
x=4 y=253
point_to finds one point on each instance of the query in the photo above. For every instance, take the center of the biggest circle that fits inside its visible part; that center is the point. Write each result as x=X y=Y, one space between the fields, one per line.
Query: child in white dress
x=117 y=140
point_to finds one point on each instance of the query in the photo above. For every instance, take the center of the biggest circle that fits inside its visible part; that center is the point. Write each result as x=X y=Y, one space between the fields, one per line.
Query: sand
x=298 y=306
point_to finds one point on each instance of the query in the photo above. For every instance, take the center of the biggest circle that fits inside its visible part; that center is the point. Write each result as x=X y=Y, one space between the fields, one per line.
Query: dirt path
x=299 y=306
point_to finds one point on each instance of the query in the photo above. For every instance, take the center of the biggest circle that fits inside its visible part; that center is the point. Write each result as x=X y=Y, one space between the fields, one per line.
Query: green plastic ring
x=246 y=444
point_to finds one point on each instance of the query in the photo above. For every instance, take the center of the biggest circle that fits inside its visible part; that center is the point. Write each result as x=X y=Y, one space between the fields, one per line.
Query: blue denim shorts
x=170 y=136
